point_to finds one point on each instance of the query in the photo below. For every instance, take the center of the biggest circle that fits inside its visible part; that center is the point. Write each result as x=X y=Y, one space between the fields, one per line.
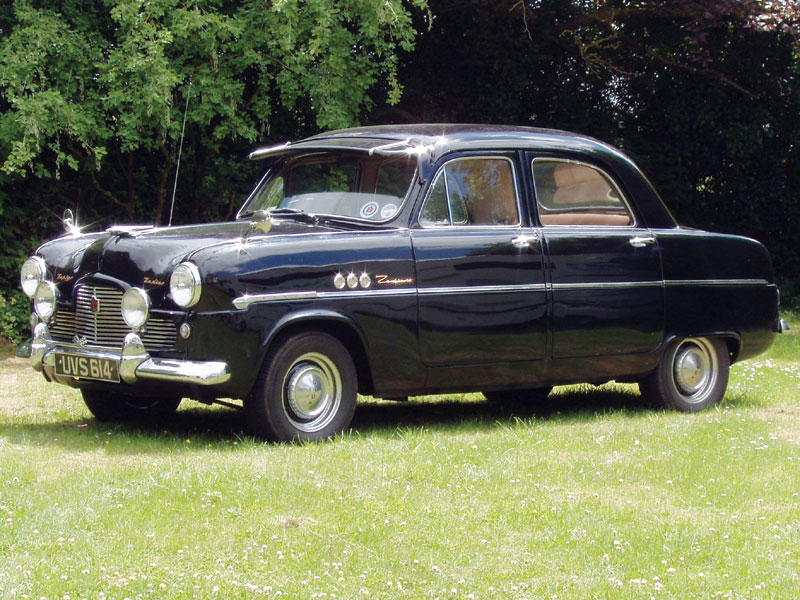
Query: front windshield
x=352 y=185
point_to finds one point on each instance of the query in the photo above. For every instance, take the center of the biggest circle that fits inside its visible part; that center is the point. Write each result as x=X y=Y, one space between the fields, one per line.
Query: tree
x=100 y=88
x=703 y=94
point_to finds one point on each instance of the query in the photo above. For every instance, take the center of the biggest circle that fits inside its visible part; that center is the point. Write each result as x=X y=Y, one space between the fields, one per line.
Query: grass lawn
x=592 y=496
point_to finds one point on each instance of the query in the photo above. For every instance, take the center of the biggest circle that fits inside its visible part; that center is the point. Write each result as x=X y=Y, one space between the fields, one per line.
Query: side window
x=435 y=211
x=569 y=193
x=472 y=191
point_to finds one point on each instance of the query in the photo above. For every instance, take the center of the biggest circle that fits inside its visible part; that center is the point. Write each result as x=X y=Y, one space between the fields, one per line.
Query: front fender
x=306 y=319
x=344 y=328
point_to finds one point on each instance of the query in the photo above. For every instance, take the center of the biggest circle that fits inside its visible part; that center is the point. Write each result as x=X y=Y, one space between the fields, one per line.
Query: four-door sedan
x=404 y=260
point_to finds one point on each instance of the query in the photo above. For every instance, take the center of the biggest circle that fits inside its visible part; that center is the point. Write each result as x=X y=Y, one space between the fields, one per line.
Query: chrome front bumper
x=134 y=361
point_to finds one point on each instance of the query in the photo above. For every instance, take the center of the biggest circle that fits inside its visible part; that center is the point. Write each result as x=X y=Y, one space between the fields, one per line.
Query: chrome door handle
x=642 y=241
x=524 y=241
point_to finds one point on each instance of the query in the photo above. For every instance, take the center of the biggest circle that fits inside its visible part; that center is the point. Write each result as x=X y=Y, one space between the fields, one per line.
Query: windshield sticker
x=369 y=209
x=388 y=210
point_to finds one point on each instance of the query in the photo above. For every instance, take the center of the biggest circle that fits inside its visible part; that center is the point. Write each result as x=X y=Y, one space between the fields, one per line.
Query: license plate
x=87 y=367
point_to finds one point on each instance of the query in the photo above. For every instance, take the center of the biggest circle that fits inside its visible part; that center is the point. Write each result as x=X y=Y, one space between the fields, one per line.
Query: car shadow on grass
x=198 y=427
x=578 y=403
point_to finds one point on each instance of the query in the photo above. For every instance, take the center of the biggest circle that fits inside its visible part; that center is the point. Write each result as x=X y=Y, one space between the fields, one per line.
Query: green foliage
x=93 y=94
x=77 y=80
x=15 y=309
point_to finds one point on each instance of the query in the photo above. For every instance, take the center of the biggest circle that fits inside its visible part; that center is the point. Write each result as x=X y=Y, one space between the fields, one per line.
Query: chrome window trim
x=634 y=222
x=517 y=225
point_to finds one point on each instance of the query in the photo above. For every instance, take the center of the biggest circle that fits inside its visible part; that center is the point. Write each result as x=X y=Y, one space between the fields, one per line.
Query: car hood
x=145 y=256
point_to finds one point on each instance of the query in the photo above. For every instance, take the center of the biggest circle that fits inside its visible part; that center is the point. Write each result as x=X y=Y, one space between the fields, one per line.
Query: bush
x=15 y=310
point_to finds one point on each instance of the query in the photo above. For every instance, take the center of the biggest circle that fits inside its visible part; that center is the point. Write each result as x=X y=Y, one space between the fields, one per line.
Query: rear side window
x=472 y=191
x=571 y=193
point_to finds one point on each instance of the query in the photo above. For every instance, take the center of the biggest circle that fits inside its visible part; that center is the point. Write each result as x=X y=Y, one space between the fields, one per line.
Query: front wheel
x=115 y=407
x=692 y=375
x=306 y=390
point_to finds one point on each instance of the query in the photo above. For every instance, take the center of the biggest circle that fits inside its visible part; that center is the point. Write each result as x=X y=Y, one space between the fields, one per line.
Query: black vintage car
x=404 y=260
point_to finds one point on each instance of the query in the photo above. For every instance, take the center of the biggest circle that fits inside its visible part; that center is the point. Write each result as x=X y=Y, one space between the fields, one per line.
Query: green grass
x=592 y=495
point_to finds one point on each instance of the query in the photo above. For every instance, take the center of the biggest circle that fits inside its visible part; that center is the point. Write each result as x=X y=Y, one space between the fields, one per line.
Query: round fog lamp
x=135 y=308
x=32 y=272
x=44 y=300
x=185 y=285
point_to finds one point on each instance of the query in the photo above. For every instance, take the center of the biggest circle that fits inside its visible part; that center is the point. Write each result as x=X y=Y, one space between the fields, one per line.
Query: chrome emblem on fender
x=386 y=280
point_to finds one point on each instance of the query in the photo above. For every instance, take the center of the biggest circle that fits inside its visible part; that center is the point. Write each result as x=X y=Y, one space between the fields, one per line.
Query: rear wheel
x=114 y=407
x=692 y=375
x=306 y=389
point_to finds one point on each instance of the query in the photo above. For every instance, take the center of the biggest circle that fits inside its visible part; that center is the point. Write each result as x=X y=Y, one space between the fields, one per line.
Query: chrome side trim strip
x=669 y=282
x=366 y=293
x=679 y=282
x=476 y=289
x=607 y=285
x=244 y=302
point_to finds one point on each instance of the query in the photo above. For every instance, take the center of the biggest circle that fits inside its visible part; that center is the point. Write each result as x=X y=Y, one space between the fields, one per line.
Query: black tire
x=306 y=390
x=692 y=375
x=115 y=407
x=532 y=396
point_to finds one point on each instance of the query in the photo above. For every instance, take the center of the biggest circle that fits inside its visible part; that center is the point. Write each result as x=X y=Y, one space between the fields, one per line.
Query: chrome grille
x=105 y=326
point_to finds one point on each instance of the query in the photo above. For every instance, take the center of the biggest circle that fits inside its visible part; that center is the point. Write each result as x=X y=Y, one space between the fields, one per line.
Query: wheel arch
x=732 y=339
x=335 y=324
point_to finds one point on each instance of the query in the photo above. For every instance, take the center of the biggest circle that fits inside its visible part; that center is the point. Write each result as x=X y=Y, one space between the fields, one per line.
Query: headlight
x=135 y=308
x=44 y=300
x=185 y=285
x=32 y=272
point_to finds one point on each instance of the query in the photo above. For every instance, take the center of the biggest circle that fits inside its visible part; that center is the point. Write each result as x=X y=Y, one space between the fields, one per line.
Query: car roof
x=440 y=138
x=432 y=141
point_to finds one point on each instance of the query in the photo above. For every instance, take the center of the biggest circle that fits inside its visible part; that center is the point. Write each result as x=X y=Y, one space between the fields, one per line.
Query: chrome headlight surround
x=135 y=308
x=185 y=285
x=33 y=271
x=45 y=300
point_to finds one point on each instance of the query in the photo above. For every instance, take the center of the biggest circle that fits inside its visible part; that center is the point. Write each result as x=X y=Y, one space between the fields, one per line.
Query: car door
x=482 y=295
x=604 y=265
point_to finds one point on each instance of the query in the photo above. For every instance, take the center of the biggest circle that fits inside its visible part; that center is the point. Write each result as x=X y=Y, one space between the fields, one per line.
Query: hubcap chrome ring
x=311 y=392
x=695 y=369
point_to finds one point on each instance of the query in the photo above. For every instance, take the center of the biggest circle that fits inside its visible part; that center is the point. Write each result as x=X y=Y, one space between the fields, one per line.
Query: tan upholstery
x=570 y=174
x=587 y=218
x=578 y=184
x=588 y=191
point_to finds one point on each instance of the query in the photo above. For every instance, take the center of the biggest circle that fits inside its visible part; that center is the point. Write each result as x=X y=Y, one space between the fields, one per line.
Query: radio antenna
x=180 y=150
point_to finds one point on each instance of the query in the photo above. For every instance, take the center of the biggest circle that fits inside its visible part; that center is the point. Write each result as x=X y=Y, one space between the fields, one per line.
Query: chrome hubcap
x=695 y=369
x=312 y=392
